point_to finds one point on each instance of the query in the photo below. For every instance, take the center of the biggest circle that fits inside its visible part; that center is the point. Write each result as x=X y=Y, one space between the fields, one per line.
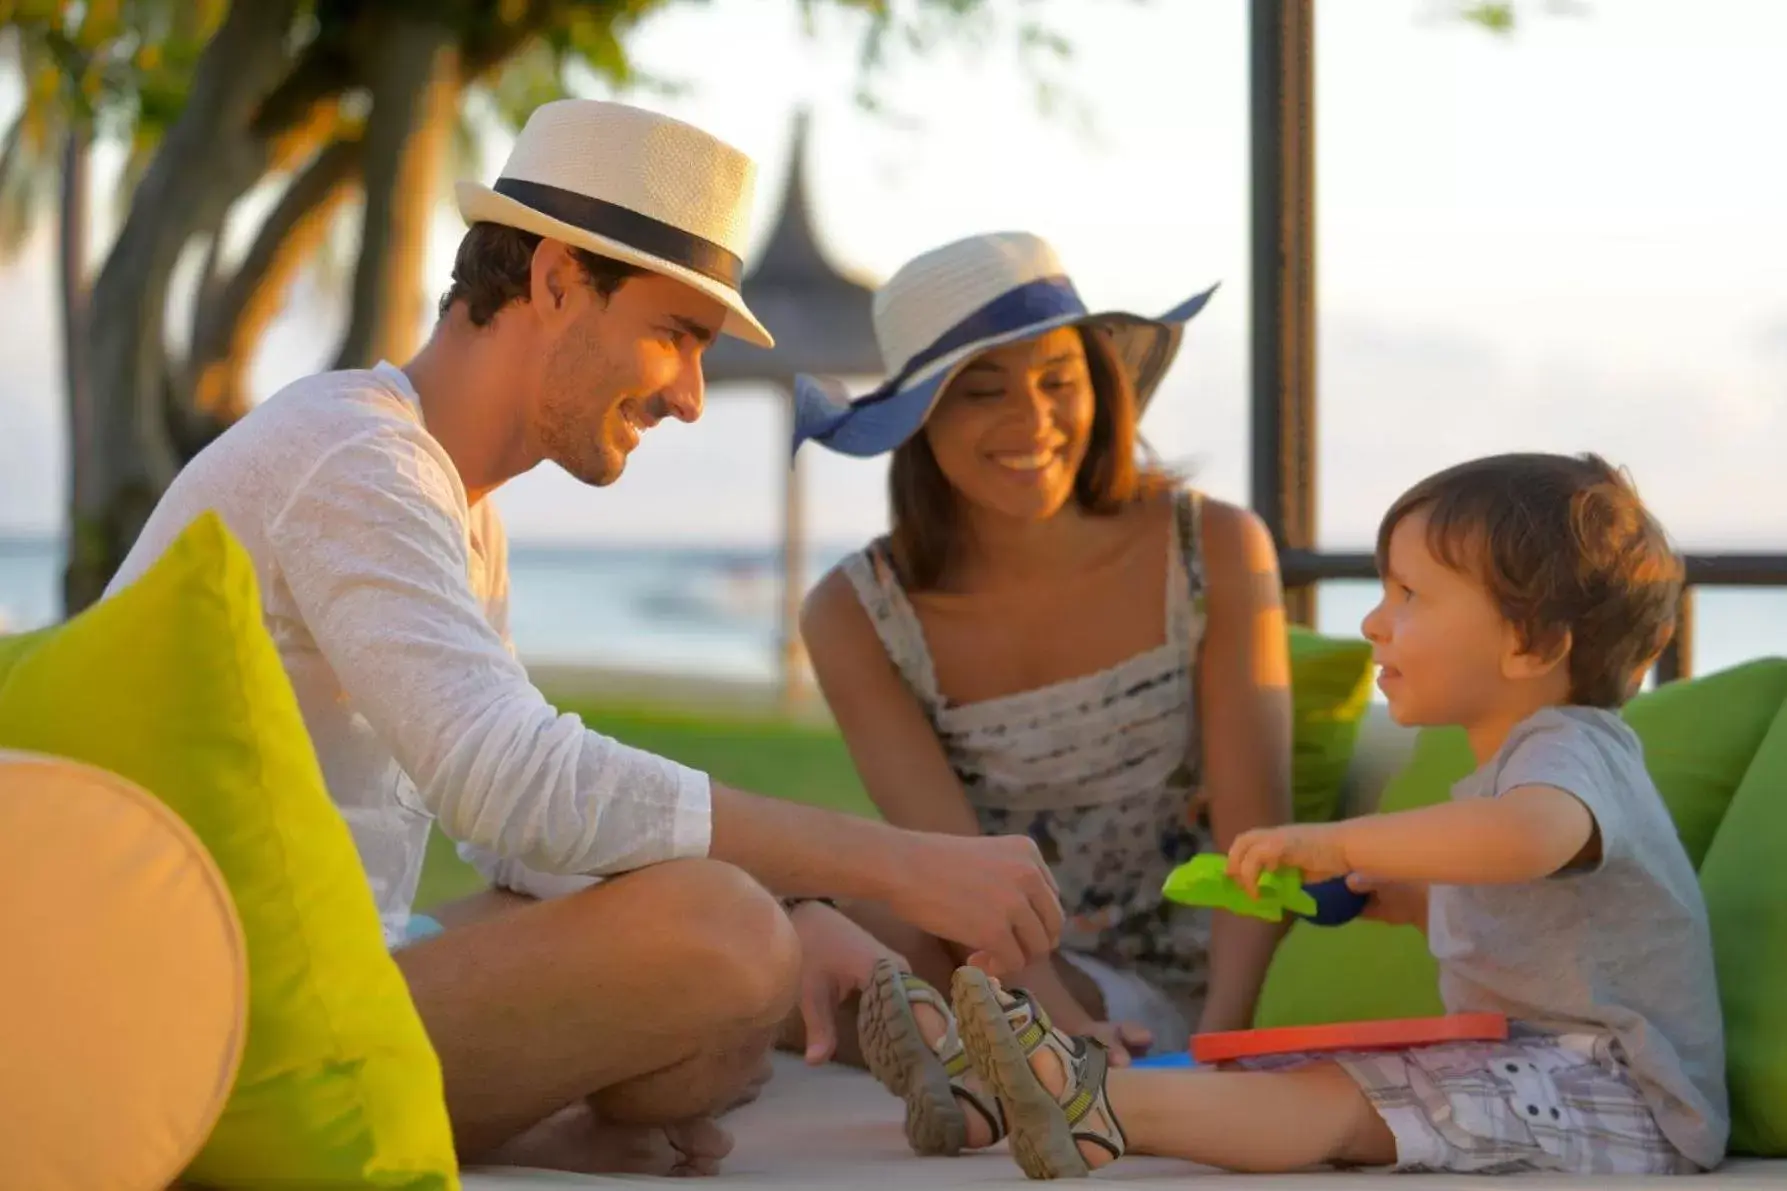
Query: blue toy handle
x=1334 y=902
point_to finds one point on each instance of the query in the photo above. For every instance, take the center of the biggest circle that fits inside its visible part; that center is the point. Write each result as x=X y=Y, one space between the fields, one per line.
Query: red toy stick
x=1356 y=1035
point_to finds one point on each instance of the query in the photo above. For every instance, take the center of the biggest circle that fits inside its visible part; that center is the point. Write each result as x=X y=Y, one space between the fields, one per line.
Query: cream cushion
x=124 y=999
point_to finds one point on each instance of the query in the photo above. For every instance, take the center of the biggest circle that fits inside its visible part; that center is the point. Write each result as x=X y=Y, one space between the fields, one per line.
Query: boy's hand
x=1315 y=848
x=1399 y=903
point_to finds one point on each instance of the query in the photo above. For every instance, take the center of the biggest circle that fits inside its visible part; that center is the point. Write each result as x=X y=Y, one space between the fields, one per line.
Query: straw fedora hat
x=948 y=306
x=635 y=186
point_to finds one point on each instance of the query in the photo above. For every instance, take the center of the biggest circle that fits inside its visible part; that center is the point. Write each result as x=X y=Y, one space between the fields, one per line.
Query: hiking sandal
x=1003 y=1030
x=929 y=1080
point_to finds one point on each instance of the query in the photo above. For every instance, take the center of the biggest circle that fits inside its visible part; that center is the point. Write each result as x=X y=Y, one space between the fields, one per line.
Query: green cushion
x=1366 y=971
x=175 y=684
x=1699 y=738
x=1440 y=759
x=1745 y=882
x=1319 y=976
x=1331 y=681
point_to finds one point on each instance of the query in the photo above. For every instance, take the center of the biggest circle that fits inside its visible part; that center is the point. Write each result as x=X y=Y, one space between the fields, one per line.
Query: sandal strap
x=1029 y=1021
x=953 y=1055
x=1086 y=1076
x=992 y=1113
x=1085 y=1061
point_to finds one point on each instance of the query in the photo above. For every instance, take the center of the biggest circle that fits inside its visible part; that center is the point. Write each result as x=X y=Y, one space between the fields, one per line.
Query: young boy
x=1524 y=598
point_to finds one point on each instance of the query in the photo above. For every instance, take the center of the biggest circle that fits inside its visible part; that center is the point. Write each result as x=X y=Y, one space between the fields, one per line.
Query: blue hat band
x=881 y=420
x=1028 y=305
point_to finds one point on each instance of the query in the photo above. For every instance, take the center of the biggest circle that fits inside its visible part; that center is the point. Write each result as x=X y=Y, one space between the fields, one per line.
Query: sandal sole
x=1041 y=1139
x=903 y=1062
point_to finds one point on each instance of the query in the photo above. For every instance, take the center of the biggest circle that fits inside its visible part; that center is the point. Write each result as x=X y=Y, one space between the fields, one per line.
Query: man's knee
x=733 y=942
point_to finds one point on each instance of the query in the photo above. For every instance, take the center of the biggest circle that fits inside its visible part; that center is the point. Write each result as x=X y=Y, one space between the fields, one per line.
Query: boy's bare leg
x=1252 y=1121
x=651 y=998
x=1256 y=1122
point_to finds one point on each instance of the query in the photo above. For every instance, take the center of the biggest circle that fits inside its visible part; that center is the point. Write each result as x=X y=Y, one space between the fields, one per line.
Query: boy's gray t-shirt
x=1620 y=947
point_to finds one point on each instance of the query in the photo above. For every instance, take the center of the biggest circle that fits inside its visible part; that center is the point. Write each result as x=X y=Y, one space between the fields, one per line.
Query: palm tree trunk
x=206 y=161
x=414 y=100
x=234 y=312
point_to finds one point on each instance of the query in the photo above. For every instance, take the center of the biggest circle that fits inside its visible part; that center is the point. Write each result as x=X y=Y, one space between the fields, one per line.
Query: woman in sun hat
x=1055 y=638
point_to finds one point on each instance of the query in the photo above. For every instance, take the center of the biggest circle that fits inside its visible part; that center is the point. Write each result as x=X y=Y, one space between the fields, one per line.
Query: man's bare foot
x=766 y=1071
x=576 y=1140
x=700 y=1144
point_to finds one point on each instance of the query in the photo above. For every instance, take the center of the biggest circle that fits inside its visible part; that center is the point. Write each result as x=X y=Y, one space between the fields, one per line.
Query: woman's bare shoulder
x=1237 y=547
x=832 y=617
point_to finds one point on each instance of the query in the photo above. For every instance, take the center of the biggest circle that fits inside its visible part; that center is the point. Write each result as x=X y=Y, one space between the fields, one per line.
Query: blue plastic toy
x=1176 y=1059
x=1334 y=902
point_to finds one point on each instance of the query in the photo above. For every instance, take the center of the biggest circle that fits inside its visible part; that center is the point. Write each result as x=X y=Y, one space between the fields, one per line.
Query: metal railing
x=1303 y=569
x=1283 y=423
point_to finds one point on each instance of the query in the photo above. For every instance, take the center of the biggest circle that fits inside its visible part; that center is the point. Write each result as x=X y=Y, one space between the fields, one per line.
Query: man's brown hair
x=494 y=267
x=1562 y=543
x=925 y=528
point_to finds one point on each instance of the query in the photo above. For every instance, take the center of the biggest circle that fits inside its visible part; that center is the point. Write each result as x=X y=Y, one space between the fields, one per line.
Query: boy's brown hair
x=1561 y=543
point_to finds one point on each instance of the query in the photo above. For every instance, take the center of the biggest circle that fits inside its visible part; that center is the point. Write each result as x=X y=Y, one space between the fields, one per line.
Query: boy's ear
x=1523 y=658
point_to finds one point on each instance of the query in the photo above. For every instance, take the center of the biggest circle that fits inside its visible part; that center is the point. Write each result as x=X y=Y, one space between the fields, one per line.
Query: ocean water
x=714 y=612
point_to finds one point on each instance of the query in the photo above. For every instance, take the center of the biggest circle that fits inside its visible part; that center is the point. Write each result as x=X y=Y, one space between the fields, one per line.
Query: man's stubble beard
x=575 y=366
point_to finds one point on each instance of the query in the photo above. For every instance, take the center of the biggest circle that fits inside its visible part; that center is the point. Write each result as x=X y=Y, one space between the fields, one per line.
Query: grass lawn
x=765 y=756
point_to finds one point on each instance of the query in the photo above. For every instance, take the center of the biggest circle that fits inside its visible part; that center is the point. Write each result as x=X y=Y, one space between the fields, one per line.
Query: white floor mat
x=836 y=1128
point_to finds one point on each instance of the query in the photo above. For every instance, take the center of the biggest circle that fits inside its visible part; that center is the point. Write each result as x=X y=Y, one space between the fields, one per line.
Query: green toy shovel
x=1204 y=881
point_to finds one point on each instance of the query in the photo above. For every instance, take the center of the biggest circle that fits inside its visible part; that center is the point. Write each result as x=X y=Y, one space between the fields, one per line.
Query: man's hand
x=837 y=958
x=1315 y=848
x=1399 y=903
x=1122 y=1039
x=992 y=894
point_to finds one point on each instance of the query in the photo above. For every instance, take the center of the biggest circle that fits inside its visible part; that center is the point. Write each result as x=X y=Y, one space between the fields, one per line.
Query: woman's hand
x=1315 y=848
x=1123 y=1039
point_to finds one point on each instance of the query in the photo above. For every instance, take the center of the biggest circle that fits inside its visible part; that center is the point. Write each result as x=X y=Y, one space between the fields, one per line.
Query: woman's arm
x=1244 y=701
x=897 y=755
x=895 y=750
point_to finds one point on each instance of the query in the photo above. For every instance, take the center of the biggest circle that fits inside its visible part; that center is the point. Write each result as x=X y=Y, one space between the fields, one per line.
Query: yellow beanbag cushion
x=175 y=684
x=125 y=1000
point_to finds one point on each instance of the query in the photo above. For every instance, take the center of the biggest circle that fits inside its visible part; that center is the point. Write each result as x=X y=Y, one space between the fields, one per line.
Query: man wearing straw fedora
x=637 y=956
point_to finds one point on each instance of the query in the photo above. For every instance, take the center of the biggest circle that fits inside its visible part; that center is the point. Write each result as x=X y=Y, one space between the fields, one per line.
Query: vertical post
x=792 y=657
x=1283 y=427
x=72 y=226
x=1677 y=659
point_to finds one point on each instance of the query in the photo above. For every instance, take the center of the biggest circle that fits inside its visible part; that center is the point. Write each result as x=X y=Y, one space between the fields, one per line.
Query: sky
x=1568 y=239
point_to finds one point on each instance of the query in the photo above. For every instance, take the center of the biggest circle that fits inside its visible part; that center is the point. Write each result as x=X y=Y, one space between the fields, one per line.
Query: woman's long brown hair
x=925 y=534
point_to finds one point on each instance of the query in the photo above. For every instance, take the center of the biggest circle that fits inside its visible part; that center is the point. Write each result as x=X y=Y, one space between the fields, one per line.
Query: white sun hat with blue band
x=946 y=307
